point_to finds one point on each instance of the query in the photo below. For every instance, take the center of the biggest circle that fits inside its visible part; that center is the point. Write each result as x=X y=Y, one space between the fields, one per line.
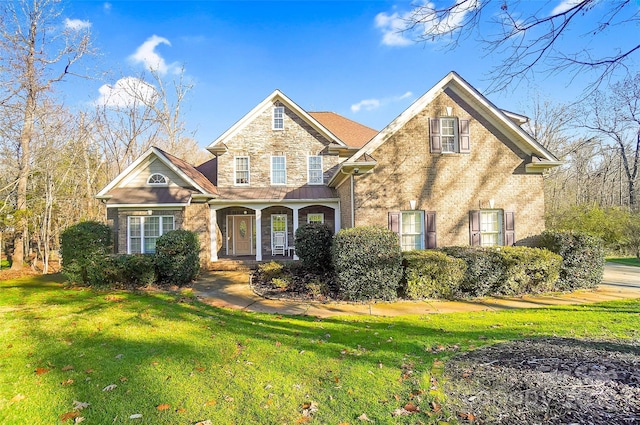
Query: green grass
x=629 y=261
x=59 y=345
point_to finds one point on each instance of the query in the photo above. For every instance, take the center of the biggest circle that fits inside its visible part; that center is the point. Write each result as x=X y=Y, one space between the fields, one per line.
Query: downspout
x=353 y=202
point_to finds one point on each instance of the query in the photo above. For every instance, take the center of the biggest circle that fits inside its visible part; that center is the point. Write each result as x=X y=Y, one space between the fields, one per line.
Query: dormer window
x=157 y=179
x=278 y=117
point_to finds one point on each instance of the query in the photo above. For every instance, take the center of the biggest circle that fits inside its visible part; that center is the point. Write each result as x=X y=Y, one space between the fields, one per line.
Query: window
x=242 y=170
x=315 y=218
x=278 y=170
x=490 y=227
x=449 y=134
x=315 y=170
x=157 y=178
x=278 y=117
x=143 y=232
x=411 y=235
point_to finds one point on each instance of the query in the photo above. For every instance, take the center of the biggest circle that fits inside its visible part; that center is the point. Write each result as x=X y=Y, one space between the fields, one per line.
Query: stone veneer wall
x=259 y=142
x=451 y=184
x=344 y=193
x=196 y=219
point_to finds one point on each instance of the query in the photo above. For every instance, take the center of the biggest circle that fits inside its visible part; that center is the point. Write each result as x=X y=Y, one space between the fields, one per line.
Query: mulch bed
x=546 y=381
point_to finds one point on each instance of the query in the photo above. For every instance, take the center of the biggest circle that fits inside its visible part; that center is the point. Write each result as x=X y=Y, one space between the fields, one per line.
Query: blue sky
x=340 y=56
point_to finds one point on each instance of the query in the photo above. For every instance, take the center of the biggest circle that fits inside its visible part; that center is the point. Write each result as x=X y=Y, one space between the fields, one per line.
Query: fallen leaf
x=163 y=406
x=41 y=370
x=207 y=422
x=400 y=412
x=119 y=356
x=211 y=403
x=467 y=416
x=412 y=408
x=155 y=363
x=79 y=405
x=278 y=343
x=67 y=382
x=78 y=419
x=364 y=418
x=69 y=415
x=89 y=371
x=200 y=369
x=436 y=407
x=16 y=398
x=110 y=387
x=123 y=379
x=135 y=416
x=67 y=367
x=304 y=420
x=181 y=410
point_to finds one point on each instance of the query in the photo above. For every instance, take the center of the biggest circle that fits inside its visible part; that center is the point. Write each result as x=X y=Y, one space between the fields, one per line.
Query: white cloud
x=401 y=29
x=127 y=92
x=76 y=24
x=107 y=7
x=564 y=5
x=146 y=55
x=371 y=104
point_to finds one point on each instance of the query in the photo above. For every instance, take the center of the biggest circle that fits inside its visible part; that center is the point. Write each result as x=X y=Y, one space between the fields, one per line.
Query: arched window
x=157 y=179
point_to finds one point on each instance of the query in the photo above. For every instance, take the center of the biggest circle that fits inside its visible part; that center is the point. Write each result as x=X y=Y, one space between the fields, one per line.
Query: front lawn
x=69 y=353
x=628 y=261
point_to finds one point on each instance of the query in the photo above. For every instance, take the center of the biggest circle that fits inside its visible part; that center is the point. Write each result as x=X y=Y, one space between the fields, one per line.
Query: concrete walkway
x=231 y=289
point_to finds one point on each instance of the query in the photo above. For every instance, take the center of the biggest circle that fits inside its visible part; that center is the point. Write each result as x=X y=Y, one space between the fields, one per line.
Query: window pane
x=278 y=172
x=447 y=131
x=315 y=218
x=134 y=226
x=410 y=242
x=157 y=179
x=135 y=237
x=279 y=223
x=490 y=228
x=167 y=224
x=242 y=170
x=135 y=245
x=278 y=117
x=315 y=170
x=411 y=230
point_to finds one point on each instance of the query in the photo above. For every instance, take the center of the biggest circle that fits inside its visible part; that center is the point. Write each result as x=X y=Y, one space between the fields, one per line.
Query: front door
x=242 y=234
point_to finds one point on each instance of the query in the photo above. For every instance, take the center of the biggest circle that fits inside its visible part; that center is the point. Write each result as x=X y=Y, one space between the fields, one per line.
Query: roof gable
x=183 y=169
x=483 y=106
x=352 y=133
x=276 y=96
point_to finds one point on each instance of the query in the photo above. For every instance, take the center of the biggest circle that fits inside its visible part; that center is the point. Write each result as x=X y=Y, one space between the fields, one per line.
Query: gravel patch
x=546 y=381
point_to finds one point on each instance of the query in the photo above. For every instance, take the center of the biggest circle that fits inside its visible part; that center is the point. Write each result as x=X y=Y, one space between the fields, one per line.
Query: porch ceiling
x=277 y=193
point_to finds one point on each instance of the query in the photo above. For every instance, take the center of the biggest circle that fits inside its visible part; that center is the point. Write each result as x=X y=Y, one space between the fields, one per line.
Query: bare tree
x=615 y=116
x=529 y=35
x=37 y=51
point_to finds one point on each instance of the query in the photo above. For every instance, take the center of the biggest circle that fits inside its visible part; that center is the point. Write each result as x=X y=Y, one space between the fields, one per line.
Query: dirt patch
x=547 y=381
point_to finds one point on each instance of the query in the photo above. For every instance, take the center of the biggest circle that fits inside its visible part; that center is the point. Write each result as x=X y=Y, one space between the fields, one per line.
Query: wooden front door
x=242 y=234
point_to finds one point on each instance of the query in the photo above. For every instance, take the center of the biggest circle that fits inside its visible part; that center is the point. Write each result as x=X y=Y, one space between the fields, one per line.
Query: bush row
x=86 y=258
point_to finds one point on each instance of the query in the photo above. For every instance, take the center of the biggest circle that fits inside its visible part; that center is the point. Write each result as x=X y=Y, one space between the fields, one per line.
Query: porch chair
x=278 y=243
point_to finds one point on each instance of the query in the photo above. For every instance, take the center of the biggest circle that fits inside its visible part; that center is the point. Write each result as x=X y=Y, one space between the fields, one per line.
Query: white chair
x=278 y=243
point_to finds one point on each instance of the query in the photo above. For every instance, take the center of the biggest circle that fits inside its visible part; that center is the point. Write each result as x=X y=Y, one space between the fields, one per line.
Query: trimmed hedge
x=528 y=270
x=177 y=257
x=582 y=258
x=313 y=243
x=367 y=262
x=84 y=247
x=432 y=274
x=484 y=273
x=135 y=271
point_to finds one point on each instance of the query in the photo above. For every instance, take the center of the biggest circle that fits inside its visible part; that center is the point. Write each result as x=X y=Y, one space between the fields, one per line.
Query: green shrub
x=313 y=246
x=271 y=270
x=582 y=258
x=367 y=262
x=84 y=247
x=432 y=274
x=177 y=257
x=528 y=270
x=135 y=271
x=485 y=271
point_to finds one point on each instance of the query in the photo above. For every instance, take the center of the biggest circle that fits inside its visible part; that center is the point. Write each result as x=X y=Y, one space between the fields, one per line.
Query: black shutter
x=430 y=230
x=474 y=228
x=509 y=228
x=434 y=136
x=464 y=136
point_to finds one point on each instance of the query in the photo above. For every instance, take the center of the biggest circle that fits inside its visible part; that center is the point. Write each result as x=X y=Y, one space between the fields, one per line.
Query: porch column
x=258 y=234
x=336 y=219
x=213 y=232
x=295 y=227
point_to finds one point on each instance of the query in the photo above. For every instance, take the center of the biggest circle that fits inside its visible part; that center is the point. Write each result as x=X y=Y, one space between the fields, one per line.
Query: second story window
x=315 y=170
x=157 y=179
x=242 y=170
x=449 y=134
x=278 y=170
x=278 y=117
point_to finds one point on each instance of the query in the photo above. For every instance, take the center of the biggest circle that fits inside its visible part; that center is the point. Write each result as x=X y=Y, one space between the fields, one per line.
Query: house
x=452 y=169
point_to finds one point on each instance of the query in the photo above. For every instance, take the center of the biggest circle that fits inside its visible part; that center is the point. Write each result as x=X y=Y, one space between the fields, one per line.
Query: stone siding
x=453 y=184
x=259 y=142
x=196 y=219
x=344 y=193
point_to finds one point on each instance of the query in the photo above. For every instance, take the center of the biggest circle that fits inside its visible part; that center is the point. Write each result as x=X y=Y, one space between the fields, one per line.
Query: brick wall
x=258 y=141
x=450 y=184
x=196 y=219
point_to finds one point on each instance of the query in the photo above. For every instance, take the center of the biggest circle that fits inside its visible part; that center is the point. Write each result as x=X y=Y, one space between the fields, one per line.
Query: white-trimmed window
x=315 y=175
x=157 y=179
x=315 y=218
x=278 y=170
x=411 y=230
x=278 y=117
x=490 y=227
x=449 y=134
x=241 y=170
x=144 y=231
